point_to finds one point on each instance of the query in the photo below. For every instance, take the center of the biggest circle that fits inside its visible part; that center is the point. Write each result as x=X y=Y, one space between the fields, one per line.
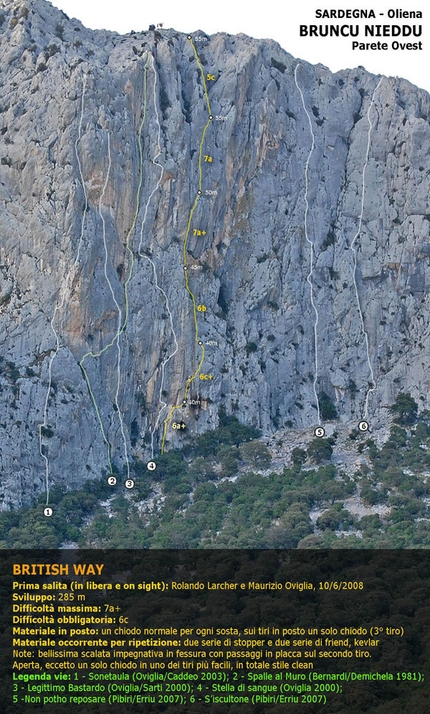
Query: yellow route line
x=202 y=73
x=191 y=379
x=121 y=329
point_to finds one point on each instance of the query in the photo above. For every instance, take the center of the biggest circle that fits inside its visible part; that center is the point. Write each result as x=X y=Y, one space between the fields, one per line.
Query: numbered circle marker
x=319 y=432
x=129 y=483
x=363 y=426
x=47 y=511
x=111 y=481
x=151 y=465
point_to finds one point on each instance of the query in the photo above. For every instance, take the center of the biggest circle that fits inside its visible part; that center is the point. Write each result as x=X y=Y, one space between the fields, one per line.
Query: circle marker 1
x=151 y=465
x=319 y=432
x=363 y=426
x=47 y=511
x=129 y=483
x=111 y=481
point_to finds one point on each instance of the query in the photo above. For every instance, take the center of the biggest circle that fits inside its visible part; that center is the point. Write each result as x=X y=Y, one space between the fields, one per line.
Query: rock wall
x=300 y=211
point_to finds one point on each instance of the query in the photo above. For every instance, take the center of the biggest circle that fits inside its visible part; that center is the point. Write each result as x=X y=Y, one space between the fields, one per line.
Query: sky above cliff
x=278 y=21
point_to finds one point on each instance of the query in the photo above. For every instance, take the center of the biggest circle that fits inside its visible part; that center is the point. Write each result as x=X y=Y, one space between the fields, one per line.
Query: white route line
x=95 y=355
x=120 y=417
x=163 y=364
x=372 y=384
x=63 y=290
x=154 y=160
x=84 y=86
x=309 y=277
x=113 y=295
x=121 y=324
x=143 y=255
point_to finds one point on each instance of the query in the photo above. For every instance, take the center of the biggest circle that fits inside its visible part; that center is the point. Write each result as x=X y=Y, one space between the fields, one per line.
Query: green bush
x=164 y=101
x=335 y=518
x=250 y=348
x=256 y=454
x=280 y=66
x=298 y=456
x=327 y=408
x=320 y=450
x=406 y=409
x=228 y=458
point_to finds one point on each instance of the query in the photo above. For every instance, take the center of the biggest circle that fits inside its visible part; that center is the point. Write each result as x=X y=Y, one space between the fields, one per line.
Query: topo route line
x=372 y=384
x=191 y=379
x=122 y=318
x=58 y=308
x=310 y=274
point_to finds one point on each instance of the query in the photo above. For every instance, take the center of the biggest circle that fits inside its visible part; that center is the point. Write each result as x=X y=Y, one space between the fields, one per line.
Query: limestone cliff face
x=300 y=211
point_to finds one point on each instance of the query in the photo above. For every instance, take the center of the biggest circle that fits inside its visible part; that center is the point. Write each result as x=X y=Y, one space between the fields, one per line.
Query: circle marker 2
x=111 y=481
